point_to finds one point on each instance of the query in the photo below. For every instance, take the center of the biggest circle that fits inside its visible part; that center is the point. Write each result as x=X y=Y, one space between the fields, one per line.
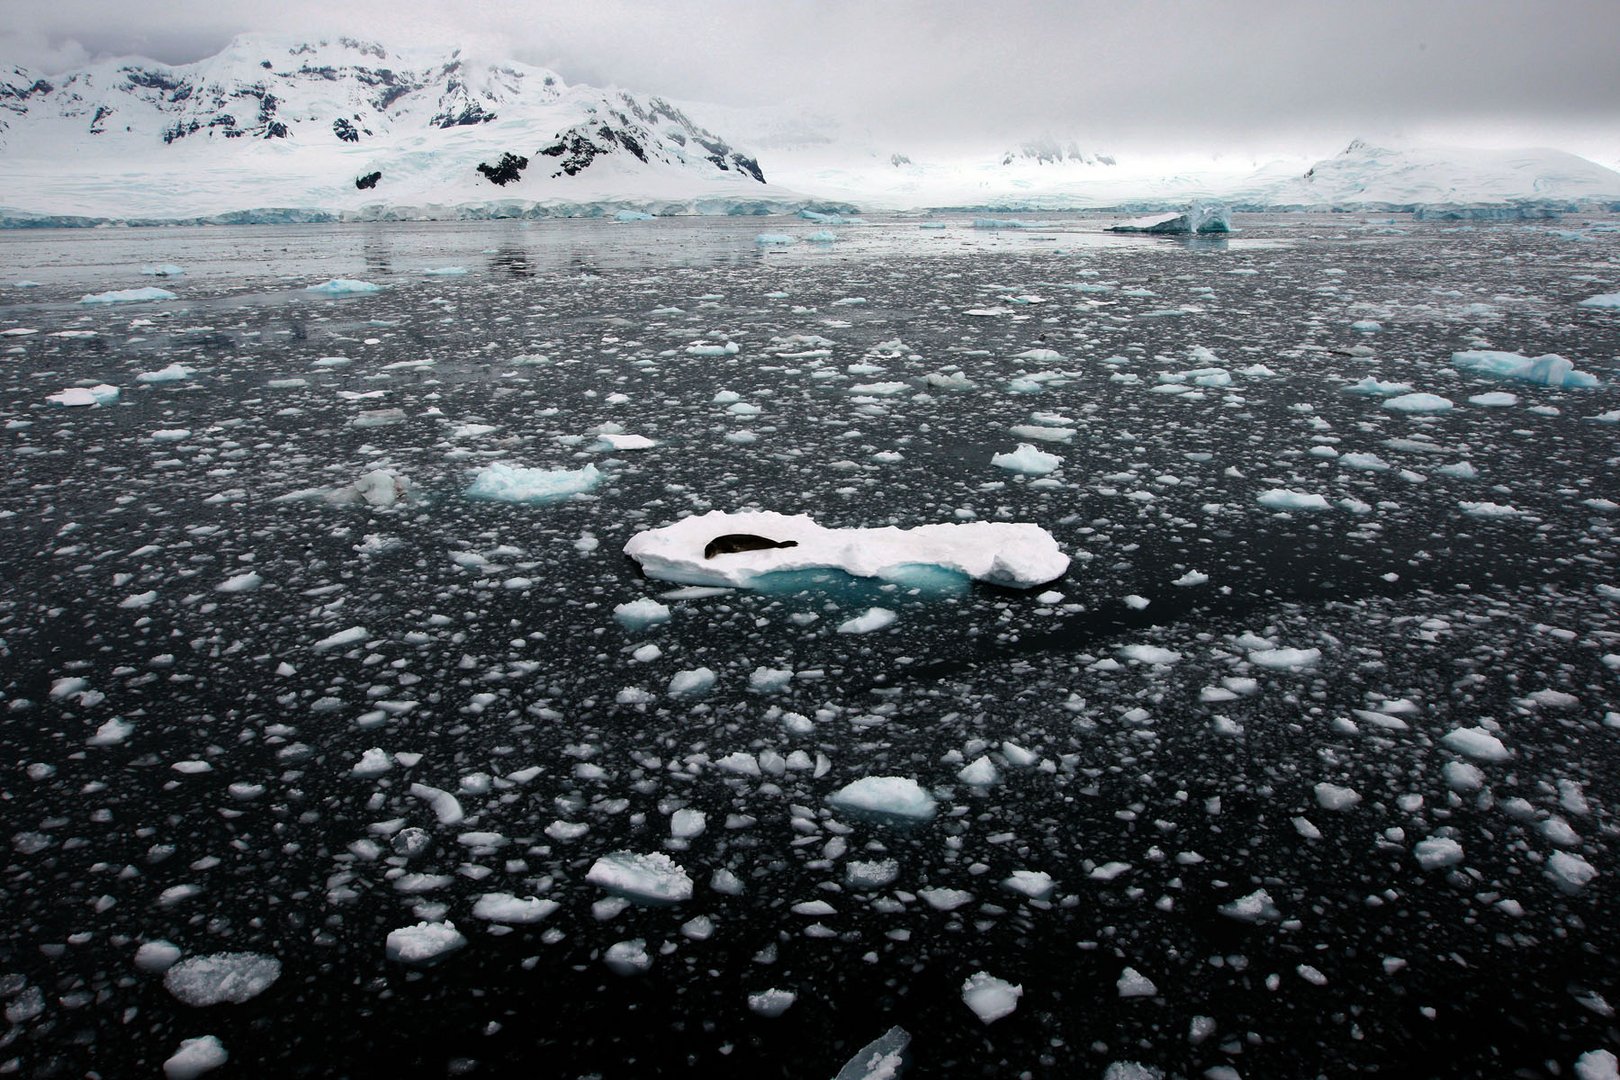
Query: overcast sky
x=1260 y=74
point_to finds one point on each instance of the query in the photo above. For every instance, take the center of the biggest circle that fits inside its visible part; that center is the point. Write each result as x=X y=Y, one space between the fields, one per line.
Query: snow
x=1001 y=553
x=651 y=878
x=195 y=1057
x=885 y=796
x=501 y=482
x=224 y=977
x=129 y=296
x=990 y=998
x=425 y=943
x=1028 y=460
x=1549 y=370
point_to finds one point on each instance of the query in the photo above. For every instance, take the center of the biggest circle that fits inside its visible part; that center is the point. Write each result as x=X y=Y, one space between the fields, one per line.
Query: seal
x=732 y=543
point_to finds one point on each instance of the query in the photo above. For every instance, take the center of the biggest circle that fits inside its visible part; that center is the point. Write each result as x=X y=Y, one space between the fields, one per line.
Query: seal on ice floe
x=732 y=543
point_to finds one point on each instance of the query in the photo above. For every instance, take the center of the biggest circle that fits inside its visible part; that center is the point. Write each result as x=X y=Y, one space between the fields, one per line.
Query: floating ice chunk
x=885 y=796
x=1284 y=499
x=370 y=418
x=1371 y=387
x=156 y=957
x=1419 y=403
x=1198 y=218
x=195 y=1058
x=1191 y=578
x=162 y=270
x=1364 y=462
x=1490 y=510
x=445 y=271
x=424 y=943
x=652 y=878
x=1569 y=871
x=990 y=998
x=980 y=772
x=870 y=621
x=881 y=1059
x=1366 y=326
x=245 y=582
x=632 y=215
x=501 y=482
x=1150 y=654
x=175 y=372
x=445 y=806
x=506 y=908
x=1549 y=370
x=640 y=614
x=945 y=899
x=1477 y=743
x=343 y=287
x=1285 y=659
x=1594 y=1064
x=1002 y=553
x=691 y=683
x=1602 y=300
x=1253 y=908
x=1035 y=884
x=1027 y=460
x=80 y=396
x=611 y=440
x=1496 y=399
x=1437 y=852
x=628 y=957
x=772 y=1003
x=372 y=763
x=766 y=239
x=876 y=874
x=1131 y=1070
x=224 y=977
x=1333 y=797
x=1133 y=984
x=686 y=823
x=354 y=635
x=129 y=296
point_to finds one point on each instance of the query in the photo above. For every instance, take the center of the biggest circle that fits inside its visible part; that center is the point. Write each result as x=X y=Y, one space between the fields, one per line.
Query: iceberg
x=1016 y=555
x=501 y=482
x=1199 y=218
x=1548 y=370
x=129 y=296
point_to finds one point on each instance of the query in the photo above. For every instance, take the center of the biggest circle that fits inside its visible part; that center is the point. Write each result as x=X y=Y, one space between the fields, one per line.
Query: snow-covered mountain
x=293 y=129
x=333 y=126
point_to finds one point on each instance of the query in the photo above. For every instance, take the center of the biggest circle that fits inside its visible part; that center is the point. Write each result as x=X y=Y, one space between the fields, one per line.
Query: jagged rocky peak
x=654 y=130
x=1048 y=151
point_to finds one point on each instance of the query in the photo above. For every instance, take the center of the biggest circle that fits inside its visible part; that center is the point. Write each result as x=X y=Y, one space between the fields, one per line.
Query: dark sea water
x=178 y=759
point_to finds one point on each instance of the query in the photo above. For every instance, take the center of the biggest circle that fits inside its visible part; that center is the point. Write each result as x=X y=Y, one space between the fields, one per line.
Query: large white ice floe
x=501 y=482
x=1549 y=370
x=885 y=796
x=1018 y=555
x=80 y=396
x=226 y=977
x=653 y=878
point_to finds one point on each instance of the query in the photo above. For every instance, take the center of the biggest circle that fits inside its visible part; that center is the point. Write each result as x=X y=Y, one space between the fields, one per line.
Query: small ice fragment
x=627 y=957
x=1437 y=852
x=507 y=908
x=871 y=621
x=1133 y=984
x=1333 y=797
x=772 y=1003
x=640 y=614
x=156 y=957
x=1476 y=743
x=1027 y=460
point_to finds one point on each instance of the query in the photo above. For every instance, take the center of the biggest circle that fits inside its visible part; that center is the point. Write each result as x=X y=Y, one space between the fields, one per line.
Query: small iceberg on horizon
x=1199 y=219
